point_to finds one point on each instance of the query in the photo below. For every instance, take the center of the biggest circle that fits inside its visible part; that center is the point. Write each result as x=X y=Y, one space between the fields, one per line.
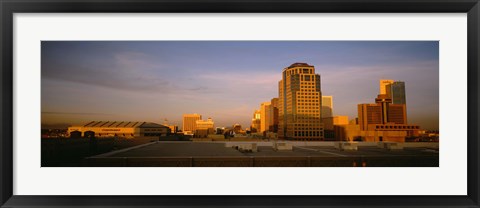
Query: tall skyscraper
x=327 y=106
x=265 y=116
x=189 y=122
x=274 y=118
x=383 y=85
x=397 y=92
x=300 y=103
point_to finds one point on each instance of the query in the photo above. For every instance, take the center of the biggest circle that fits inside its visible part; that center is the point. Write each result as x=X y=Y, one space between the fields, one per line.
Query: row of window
x=309 y=118
x=111 y=134
x=307 y=128
x=307 y=83
x=303 y=107
x=152 y=129
x=300 y=71
x=308 y=133
x=308 y=111
x=308 y=101
x=396 y=127
x=306 y=124
x=309 y=97
x=307 y=93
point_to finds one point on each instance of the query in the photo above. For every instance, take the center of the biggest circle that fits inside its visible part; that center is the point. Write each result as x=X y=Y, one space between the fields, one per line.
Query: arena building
x=126 y=129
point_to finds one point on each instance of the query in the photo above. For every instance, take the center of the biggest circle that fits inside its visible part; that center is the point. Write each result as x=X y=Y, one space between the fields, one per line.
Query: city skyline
x=225 y=80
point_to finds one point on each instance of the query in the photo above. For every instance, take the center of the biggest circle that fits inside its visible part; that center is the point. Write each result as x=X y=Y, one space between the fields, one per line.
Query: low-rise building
x=204 y=127
x=125 y=129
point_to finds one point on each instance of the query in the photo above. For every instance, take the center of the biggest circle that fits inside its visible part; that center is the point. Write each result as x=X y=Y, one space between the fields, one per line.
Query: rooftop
x=124 y=124
x=298 y=64
x=187 y=153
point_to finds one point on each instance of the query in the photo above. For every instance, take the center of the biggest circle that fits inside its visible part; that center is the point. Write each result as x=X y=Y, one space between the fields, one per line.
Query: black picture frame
x=9 y=7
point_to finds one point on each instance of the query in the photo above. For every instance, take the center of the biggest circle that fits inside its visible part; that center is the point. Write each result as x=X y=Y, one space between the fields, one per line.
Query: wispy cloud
x=76 y=113
x=262 y=78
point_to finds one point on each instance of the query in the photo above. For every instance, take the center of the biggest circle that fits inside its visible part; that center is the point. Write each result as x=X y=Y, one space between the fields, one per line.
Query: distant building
x=219 y=130
x=396 y=91
x=125 y=129
x=273 y=123
x=382 y=121
x=190 y=123
x=376 y=133
x=173 y=129
x=300 y=103
x=204 y=127
x=397 y=114
x=383 y=85
x=327 y=106
x=205 y=124
x=237 y=128
x=330 y=123
x=340 y=120
x=382 y=112
x=256 y=121
x=265 y=116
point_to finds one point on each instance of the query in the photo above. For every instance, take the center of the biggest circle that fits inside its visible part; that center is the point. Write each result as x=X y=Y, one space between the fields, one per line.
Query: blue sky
x=225 y=80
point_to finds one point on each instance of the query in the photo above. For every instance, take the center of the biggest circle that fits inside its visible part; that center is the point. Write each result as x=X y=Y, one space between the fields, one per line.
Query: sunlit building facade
x=265 y=116
x=383 y=85
x=369 y=114
x=300 y=103
x=255 y=126
x=327 y=106
x=204 y=127
x=190 y=123
x=383 y=120
x=381 y=112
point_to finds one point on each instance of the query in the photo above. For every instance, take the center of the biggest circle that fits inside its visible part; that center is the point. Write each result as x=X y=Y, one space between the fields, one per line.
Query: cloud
x=75 y=113
x=260 y=78
x=127 y=71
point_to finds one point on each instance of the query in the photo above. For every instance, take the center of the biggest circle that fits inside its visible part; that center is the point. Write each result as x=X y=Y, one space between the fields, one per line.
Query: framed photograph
x=243 y=104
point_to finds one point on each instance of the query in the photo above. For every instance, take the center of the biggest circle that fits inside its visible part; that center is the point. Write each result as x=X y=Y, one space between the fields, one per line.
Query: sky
x=159 y=81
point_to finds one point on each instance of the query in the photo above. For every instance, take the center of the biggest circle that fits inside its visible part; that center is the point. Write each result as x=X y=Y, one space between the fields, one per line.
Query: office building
x=382 y=121
x=255 y=126
x=189 y=123
x=369 y=114
x=300 y=103
x=273 y=123
x=204 y=127
x=327 y=106
x=396 y=91
x=382 y=112
x=205 y=124
x=383 y=86
x=397 y=114
x=329 y=124
x=265 y=116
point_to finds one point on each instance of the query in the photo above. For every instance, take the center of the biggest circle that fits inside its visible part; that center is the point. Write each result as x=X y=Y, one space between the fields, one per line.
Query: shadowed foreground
x=210 y=154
